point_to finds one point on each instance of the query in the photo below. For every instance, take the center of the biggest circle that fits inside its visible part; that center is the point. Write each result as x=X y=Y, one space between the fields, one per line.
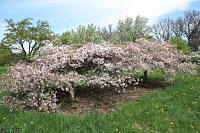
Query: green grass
x=3 y=69
x=175 y=109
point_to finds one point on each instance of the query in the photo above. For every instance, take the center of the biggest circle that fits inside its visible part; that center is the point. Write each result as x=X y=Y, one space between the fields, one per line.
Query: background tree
x=6 y=55
x=124 y=31
x=181 y=45
x=82 y=34
x=107 y=33
x=129 y=30
x=176 y=29
x=140 y=28
x=66 y=38
x=186 y=27
x=162 y=30
x=26 y=37
x=190 y=27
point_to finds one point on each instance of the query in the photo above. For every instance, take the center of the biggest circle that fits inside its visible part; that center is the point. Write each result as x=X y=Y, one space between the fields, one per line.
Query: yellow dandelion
x=31 y=122
x=4 y=118
x=133 y=126
x=156 y=106
x=116 y=130
x=165 y=105
x=140 y=128
x=197 y=132
x=171 y=123
x=191 y=126
x=162 y=110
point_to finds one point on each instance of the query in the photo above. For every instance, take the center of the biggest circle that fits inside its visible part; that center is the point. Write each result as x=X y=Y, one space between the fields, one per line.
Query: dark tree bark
x=145 y=75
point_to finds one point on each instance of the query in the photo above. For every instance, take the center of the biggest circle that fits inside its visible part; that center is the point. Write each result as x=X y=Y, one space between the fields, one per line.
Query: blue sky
x=67 y=14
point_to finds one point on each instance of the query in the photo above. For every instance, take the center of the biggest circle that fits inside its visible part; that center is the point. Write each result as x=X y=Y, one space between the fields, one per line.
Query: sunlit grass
x=174 y=109
x=3 y=69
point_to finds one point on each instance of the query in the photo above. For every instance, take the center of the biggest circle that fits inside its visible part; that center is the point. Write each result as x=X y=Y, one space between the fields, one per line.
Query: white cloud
x=117 y=9
x=148 y=8
x=100 y=12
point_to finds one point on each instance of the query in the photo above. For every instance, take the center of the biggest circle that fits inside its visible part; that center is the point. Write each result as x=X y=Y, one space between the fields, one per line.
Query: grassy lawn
x=3 y=69
x=174 y=109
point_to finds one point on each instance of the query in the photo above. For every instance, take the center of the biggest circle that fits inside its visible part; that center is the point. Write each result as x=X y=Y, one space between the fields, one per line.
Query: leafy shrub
x=3 y=70
x=6 y=56
x=82 y=34
x=63 y=69
x=181 y=45
x=196 y=59
x=198 y=69
x=148 y=37
x=107 y=33
x=66 y=38
x=125 y=31
x=128 y=30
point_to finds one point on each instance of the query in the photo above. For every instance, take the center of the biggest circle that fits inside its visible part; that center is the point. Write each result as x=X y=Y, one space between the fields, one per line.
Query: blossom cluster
x=65 y=68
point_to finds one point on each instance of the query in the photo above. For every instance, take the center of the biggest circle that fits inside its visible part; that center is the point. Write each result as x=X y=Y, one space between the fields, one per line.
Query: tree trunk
x=145 y=75
x=23 y=50
x=33 y=48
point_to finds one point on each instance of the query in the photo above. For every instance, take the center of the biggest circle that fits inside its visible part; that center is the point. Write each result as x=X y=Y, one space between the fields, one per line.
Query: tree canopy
x=82 y=34
x=129 y=30
x=185 y=27
x=26 y=37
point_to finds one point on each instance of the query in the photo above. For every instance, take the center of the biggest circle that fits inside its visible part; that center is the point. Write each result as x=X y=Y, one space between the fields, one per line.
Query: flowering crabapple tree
x=64 y=69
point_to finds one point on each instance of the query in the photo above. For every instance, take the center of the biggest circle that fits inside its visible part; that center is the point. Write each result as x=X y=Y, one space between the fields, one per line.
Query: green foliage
x=127 y=74
x=195 y=57
x=67 y=100
x=83 y=85
x=3 y=69
x=155 y=74
x=140 y=27
x=82 y=34
x=25 y=37
x=198 y=69
x=6 y=56
x=86 y=34
x=90 y=74
x=148 y=37
x=124 y=31
x=66 y=38
x=107 y=33
x=181 y=45
x=75 y=106
x=129 y=30
x=195 y=60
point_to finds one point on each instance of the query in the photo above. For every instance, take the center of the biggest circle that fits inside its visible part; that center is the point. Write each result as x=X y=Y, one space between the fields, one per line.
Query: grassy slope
x=175 y=109
x=3 y=69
